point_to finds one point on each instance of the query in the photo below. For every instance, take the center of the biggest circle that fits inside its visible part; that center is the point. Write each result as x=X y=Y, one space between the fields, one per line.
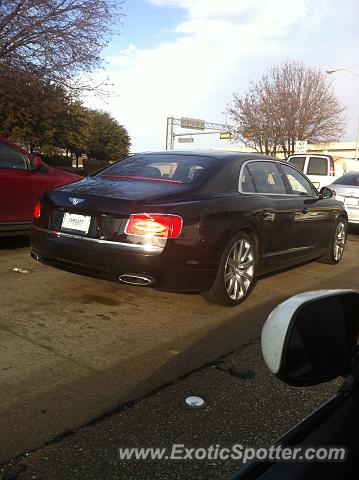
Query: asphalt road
x=244 y=405
x=73 y=348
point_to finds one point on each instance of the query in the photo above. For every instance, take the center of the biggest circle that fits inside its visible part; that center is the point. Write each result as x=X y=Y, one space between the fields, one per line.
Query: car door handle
x=266 y=215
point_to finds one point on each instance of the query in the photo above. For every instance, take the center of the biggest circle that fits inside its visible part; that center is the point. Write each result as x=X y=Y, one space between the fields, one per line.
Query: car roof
x=216 y=154
x=13 y=144
x=311 y=155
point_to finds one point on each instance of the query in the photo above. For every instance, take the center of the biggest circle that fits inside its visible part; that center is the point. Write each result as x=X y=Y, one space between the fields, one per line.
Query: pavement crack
x=242 y=373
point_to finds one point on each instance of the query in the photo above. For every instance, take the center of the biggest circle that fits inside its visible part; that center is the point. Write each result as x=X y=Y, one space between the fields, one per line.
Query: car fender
x=248 y=225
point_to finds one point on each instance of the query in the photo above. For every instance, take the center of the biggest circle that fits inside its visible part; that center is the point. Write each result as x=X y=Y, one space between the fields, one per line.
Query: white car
x=346 y=189
x=318 y=168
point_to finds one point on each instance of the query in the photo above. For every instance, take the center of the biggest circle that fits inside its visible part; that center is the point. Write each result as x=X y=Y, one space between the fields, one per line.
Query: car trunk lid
x=109 y=203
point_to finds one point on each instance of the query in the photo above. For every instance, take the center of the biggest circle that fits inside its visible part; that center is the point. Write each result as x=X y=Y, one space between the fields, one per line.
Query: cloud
x=172 y=3
x=218 y=49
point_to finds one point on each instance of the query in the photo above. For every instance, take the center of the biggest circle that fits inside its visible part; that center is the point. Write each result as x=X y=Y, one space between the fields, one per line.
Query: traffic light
x=225 y=135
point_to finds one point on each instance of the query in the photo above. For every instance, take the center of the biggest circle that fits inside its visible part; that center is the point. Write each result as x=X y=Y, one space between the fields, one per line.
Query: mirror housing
x=326 y=192
x=37 y=163
x=312 y=337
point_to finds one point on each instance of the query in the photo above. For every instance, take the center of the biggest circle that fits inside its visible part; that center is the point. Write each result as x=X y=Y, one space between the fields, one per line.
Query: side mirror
x=37 y=163
x=326 y=192
x=312 y=337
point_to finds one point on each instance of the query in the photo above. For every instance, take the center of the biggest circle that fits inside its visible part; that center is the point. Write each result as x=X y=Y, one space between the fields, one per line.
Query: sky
x=186 y=58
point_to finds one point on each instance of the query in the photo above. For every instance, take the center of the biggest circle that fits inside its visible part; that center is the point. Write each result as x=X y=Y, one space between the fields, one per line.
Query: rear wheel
x=337 y=244
x=235 y=275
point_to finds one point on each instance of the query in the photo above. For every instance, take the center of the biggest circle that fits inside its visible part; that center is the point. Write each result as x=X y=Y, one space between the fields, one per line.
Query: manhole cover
x=194 y=401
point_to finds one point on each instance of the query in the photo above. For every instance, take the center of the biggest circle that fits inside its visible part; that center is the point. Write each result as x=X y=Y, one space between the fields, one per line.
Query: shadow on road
x=353 y=230
x=10 y=243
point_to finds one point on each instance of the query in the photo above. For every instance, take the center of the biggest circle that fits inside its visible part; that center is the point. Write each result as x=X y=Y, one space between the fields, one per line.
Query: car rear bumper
x=14 y=229
x=110 y=260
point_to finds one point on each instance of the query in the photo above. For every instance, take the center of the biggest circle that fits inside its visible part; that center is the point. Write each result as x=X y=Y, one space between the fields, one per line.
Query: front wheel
x=337 y=244
x=235 y=276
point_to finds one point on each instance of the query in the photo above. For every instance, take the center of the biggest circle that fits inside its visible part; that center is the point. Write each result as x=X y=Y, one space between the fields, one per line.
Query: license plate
x=76 y=223
x=351 y=201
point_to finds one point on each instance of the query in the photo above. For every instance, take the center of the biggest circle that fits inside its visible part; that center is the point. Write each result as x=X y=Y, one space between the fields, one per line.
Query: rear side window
x=165 y=168
x=351 y=179
x=247 y=183
x=318 y=166
x=298 y=162
x=266 y=177
x=11 y=158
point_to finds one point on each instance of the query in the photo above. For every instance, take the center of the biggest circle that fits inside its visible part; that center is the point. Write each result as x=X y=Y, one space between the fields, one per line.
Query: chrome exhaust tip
x=137 y=279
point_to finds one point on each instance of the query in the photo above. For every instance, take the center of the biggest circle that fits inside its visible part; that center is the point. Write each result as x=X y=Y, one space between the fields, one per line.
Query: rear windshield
x=317 y=166
x=162 y=168
x=351 y=179
x=298 y=162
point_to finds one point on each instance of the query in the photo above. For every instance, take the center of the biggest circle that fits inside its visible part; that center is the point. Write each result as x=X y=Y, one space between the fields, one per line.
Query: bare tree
x=291 y=102
x=55 y=39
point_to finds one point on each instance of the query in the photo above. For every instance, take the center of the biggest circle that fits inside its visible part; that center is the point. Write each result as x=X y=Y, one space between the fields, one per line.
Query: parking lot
x=73 y=348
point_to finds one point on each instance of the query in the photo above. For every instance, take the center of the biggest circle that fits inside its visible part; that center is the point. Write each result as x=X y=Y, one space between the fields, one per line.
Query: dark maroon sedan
x=23 y=178
x=189 y=221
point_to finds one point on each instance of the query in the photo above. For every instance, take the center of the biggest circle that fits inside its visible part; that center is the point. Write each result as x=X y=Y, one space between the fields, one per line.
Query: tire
x=235 y=278
x=336 y=246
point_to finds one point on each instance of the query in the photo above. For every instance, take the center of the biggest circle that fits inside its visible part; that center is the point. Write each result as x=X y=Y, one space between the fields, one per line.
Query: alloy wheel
x=339 y=241
x=239 y=269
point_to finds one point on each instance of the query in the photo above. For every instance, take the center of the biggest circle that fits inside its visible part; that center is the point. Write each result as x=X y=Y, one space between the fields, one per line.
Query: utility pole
x=169 y=134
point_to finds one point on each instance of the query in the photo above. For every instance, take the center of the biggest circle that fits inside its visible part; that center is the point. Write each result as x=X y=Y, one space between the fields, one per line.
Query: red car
x=23 y=177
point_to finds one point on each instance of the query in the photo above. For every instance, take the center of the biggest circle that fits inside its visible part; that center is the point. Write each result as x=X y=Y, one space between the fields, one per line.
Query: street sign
x=194 y=123
x=185 y=139
x=225 y=135
x=247 y=133
x=301 y=146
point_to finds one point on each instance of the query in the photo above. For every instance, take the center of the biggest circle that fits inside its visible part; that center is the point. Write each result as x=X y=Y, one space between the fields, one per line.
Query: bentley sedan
x=208 y=222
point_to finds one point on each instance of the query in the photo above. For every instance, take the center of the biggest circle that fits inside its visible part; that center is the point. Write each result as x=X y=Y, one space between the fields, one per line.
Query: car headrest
x=151 y=172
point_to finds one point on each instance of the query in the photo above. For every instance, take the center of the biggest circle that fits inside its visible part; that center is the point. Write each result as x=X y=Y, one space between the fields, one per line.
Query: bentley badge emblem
x=75 y=201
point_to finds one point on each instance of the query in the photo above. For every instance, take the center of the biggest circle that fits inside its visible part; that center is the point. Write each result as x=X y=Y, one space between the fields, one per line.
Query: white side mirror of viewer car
x=312 y=337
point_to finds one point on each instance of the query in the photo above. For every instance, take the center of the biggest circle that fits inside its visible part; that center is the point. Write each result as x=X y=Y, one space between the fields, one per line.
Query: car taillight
x=37 y=210
x=154 y=225
x=331 y=171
